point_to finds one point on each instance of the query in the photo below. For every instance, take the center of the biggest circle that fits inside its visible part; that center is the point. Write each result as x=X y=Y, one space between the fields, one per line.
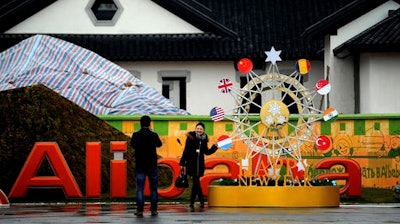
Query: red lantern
x=245 y=65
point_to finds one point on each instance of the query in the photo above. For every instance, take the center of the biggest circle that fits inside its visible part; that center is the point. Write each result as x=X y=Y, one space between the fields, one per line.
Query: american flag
x=217 y=114
x=225 y=85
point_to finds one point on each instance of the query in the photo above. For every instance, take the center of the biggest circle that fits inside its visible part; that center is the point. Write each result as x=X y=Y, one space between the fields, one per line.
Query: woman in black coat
x=192 y=160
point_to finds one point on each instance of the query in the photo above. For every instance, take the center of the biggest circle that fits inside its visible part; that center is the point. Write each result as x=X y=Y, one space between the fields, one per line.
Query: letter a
x=4 y=200
x=63 y=178
x=352 y=174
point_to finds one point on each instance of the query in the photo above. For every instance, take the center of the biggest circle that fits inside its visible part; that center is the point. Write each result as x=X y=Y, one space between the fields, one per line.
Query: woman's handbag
x=182 y=180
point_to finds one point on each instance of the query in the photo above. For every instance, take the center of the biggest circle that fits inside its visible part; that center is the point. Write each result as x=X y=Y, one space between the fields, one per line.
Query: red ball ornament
x=245 y=65
x=323 y=87
x=323 y=143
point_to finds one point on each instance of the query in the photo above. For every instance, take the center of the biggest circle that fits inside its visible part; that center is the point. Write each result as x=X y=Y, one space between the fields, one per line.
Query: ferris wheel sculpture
x=275 y=133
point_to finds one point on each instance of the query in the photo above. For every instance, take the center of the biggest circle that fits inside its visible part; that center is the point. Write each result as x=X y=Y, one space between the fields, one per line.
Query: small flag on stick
x=225 y=85
x=224 y=142
x=217 y=114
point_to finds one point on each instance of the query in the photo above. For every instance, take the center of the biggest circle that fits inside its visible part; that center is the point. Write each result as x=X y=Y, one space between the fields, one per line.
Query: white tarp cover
x=82 y=76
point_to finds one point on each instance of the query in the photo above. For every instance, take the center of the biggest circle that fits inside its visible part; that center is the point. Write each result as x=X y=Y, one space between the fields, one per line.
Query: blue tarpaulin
x=82 y=76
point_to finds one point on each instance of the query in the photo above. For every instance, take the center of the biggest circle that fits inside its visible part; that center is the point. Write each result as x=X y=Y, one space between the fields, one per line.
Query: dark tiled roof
x=146 y=47
x=232 y=29
x=350 y=12
x=383 y=37
x=196 y=13
x=13 y=12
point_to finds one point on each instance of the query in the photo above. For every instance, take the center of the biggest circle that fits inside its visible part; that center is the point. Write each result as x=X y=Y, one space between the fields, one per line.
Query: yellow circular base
x=288 y=196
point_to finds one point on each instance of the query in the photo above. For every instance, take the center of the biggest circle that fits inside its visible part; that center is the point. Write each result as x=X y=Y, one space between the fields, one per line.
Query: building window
x=104 y=12
x=174 y=86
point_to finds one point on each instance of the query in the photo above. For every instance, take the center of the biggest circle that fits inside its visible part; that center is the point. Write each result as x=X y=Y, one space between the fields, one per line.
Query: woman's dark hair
x=201 y=124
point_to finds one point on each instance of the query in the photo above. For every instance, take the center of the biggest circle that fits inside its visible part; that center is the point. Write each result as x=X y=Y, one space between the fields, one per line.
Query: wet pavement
x=179 y=213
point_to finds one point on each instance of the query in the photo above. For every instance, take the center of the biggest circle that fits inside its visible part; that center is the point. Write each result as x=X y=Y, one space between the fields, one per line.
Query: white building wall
x=70 y=17
x=202 y=89
x=340 y=75
x=379 y=79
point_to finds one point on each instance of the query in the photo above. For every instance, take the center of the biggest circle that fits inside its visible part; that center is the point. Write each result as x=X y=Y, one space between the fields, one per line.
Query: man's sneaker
x=139 y=214
x=154 y=213
x=191 y=208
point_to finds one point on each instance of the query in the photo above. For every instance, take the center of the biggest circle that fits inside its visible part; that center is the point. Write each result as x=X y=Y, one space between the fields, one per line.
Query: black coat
x=194 y=161
x=145 y=143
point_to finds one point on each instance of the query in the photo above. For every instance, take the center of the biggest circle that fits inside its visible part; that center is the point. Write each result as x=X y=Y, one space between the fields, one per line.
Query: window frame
x=98 y=22
x=183 y=76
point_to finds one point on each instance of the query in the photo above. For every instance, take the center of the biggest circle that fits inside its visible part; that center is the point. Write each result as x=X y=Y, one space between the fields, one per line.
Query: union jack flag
x=225 y=85
x=217 y=114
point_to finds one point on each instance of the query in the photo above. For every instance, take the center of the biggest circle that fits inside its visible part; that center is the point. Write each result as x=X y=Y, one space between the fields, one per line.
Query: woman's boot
x=201 y=199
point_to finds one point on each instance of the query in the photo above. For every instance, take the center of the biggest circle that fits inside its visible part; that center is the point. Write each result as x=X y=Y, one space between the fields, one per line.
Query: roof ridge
x=14 y=12
x=198 y=17
x=343 y=49
x=340 y=17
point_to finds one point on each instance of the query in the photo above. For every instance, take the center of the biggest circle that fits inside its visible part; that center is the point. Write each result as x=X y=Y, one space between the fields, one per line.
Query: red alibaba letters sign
x=118 y=174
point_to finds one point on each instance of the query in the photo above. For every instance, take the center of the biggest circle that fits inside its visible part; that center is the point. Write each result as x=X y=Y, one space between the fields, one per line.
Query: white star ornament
x=273 y=56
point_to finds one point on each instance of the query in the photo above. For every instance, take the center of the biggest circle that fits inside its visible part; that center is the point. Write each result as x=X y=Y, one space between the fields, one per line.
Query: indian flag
x=330 y=113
